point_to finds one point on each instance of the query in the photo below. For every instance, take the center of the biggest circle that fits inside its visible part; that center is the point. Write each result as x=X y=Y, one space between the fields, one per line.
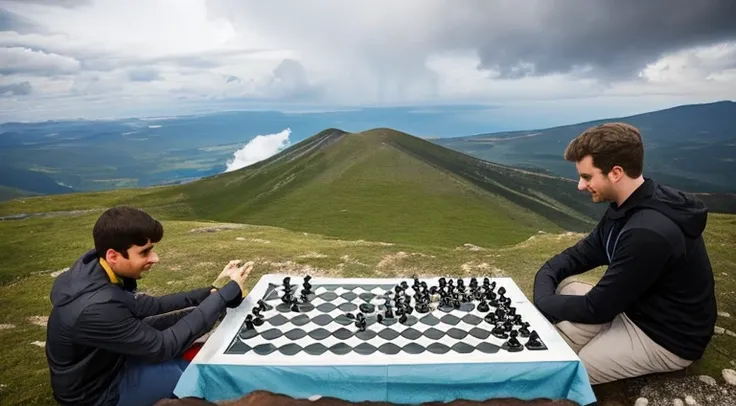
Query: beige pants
x=614 y=350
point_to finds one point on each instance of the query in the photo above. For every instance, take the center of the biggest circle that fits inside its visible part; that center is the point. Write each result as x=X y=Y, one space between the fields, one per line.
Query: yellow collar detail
x=110 y=274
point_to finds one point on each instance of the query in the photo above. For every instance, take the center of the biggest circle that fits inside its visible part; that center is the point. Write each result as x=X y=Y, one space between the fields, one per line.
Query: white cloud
x=105 y=58
x=259 y=148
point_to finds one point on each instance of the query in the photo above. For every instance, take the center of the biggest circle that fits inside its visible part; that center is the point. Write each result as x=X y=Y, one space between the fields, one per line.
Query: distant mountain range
x=691 y=147
x=385 y=184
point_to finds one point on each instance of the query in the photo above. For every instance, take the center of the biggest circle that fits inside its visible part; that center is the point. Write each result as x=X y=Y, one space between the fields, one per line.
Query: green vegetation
x=40 y=246
x=379 y=203
x=379 y=184
x=689 y=147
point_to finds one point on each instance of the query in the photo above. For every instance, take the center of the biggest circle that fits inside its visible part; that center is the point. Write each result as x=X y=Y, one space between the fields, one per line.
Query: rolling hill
x=691 y=147
x=379 y=184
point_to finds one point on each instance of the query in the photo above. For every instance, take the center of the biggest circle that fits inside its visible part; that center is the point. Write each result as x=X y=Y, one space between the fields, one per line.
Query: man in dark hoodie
x=100 y=347
x=654 y=309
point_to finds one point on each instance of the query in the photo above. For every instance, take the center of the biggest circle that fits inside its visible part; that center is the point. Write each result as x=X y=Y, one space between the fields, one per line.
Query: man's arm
x=113 y=326
x=151 y=306
x=639 y=259
x=587 y=254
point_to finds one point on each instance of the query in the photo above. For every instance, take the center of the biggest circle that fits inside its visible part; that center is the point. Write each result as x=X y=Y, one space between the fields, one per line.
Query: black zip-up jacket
x=96 y=325
x=659 y=273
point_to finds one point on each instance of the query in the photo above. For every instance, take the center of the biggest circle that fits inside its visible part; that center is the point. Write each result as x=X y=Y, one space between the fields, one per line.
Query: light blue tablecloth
x=403 y=384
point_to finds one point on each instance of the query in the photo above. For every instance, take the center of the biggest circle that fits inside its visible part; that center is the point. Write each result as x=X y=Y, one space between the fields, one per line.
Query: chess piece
x=360 y=322
x=389 y=314
x=483 y=306
x=513 y=344
x=295 y=306
x=403 y=318
x=499 y=331
x=524 y=330
x=535 y=343
x=307 y=286
x=264 y=306
x=491 y=318
x=442 y=282
x=379 y=317
x=249 y=331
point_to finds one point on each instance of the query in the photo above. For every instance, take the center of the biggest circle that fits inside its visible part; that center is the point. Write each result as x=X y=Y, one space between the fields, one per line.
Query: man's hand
x=236 y=271
x=240 y=273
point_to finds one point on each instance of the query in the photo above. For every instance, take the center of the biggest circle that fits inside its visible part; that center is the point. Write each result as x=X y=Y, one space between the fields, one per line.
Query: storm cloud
x=612 y=57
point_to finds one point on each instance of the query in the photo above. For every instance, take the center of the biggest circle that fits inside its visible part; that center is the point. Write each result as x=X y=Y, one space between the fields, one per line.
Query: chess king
x=654 y=309
x=107 y=345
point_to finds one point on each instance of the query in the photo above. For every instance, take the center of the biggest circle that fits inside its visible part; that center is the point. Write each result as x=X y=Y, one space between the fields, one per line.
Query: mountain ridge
x=690 y=147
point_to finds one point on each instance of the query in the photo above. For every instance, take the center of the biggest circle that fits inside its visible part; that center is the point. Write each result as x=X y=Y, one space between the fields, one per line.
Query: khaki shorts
x=614 y=350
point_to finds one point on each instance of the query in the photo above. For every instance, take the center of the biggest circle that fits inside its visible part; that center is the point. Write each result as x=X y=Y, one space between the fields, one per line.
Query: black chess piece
x=499 y=331
x=256 y=311
x=389 y=314
x=379 y=317
x=483 y=306
x=513 y=344
x=249 y=331
x=404 y=285
x=422 y=307
x=360 y=322
x=442 y=282
x=295 y=306
x=524 y=330
x=307 y=286
x=264 y=306
x=403 y=318
x=491 y=318
x=535 y=343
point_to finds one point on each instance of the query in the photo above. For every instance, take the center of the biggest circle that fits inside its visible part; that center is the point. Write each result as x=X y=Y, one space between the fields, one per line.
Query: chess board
x=386 y=321
x=383 y=339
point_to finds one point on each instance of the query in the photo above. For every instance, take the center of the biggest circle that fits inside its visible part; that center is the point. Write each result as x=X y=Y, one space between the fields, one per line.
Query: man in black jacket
x=654 y=309
x=100 y=349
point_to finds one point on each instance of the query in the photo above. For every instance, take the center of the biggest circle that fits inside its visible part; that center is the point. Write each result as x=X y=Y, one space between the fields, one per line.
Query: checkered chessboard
x=401 y=318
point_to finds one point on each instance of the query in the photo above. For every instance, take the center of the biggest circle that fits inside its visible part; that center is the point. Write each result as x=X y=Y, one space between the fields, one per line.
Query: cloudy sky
x=111 y=58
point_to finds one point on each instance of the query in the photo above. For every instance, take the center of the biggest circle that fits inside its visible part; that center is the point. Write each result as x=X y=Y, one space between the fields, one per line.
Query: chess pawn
x=524 y=330
x=513 y=344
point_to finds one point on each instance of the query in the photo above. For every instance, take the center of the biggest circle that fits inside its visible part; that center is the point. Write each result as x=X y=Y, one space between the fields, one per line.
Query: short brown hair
x=610 y=144
x=121 y=227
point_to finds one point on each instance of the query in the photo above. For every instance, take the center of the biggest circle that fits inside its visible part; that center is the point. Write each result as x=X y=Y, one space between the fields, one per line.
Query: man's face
x=594 y=181
x=140 y=259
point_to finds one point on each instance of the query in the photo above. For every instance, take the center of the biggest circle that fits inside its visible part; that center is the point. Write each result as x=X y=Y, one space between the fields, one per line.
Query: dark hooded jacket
x=96 y=325
x=659 y=273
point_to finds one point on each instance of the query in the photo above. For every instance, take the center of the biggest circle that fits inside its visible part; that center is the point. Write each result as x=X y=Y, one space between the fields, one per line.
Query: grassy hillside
x=9 y=193
x=192 y=259
x=379 y=184
x=690 y=147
